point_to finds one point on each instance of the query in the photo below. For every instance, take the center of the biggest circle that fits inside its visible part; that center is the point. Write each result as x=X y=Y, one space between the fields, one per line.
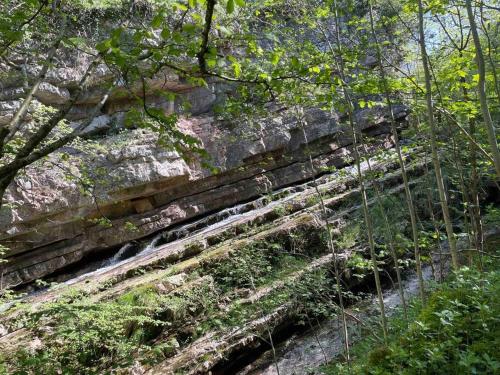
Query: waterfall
x=152 y=245
x=211 y=222
x=118 y=256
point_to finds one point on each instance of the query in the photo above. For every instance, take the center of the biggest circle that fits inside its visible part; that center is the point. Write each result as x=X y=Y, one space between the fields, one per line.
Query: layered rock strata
x=214 y=337
x=135 y=187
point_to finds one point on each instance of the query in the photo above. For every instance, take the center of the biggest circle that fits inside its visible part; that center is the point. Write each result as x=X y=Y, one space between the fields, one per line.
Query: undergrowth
x=457 y=331
x=78 y=335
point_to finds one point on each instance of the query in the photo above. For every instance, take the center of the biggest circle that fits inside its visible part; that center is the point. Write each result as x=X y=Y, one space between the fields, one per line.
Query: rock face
x=98 y=194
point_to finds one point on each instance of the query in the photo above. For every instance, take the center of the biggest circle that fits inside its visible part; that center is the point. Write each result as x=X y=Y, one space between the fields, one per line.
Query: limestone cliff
x=56 y=208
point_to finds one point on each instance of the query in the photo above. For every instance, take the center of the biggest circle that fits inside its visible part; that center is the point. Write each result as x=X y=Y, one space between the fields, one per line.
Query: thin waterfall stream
x=203 y=226
x=179 y=234
x=132 y=251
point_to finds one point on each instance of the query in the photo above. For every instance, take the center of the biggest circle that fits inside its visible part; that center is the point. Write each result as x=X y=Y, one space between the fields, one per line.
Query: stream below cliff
x=304 y=352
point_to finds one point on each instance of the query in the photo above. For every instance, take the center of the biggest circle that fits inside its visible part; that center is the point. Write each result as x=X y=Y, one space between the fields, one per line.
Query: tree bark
x=481 y=86
x=408 y=195
x=434 y=152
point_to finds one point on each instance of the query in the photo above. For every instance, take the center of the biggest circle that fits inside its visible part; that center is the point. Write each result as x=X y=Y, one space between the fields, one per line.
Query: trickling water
x=207 y=224
x=120 y=255
x=201 y=226
x=152 y=245
x=302 y=355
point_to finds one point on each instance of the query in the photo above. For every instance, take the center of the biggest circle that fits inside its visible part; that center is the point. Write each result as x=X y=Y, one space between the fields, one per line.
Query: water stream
x=303 y=353
x=176 y=235
x=208 y=223
x=135 y=250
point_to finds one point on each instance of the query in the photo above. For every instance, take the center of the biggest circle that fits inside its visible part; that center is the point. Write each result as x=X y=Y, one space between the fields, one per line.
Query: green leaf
x=103 y=46
x=276 y=57
x=237 y=69
x=180 y=6
x=211 y=63
x=240 y=3
x=157 y=21
x=165 y=33
x=189 y=28
x=315 y=69
x=230 y=6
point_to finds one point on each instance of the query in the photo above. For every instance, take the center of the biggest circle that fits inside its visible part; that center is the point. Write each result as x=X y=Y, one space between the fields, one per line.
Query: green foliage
x=359 y=265
x=81 y=337
x=101 y=221
x=314 y=295
x=457 y=331
x=312 y=200
x=280 y=210
x=248 y=267
x=349 y=236
x=492 y=216
x=310 y=296
x=130 y=227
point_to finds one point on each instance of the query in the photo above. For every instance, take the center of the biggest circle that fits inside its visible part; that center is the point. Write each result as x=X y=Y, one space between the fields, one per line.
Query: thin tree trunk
x=435 y=157
x=466 y=202
x=4 y=184
x=434 y=222
x=481 y=86
x=408 y=195
x=269 y=333
x=390 y=239
x=368 y=222
x=9 y=172
x=331 y=244
x=23 y=109
x=490 y=56
x=471 y=196
x=474 y=194
x=473 y=184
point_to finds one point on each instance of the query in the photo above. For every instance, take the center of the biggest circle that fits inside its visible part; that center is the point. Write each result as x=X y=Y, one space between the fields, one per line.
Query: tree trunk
x=434 y=152
x=481 y=86
x=4 y=184
x=331 y=244
x=408 y=195
x=389 y=237
x=368 y=221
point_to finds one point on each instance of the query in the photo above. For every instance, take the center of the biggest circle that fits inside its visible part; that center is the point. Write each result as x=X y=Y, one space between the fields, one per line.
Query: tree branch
x=205 y=36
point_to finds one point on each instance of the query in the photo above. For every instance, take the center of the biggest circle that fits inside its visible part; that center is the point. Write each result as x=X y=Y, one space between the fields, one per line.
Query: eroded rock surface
x=100 y=193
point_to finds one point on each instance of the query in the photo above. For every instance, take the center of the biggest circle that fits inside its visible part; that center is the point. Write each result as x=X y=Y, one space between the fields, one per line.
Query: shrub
x=457 y=332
